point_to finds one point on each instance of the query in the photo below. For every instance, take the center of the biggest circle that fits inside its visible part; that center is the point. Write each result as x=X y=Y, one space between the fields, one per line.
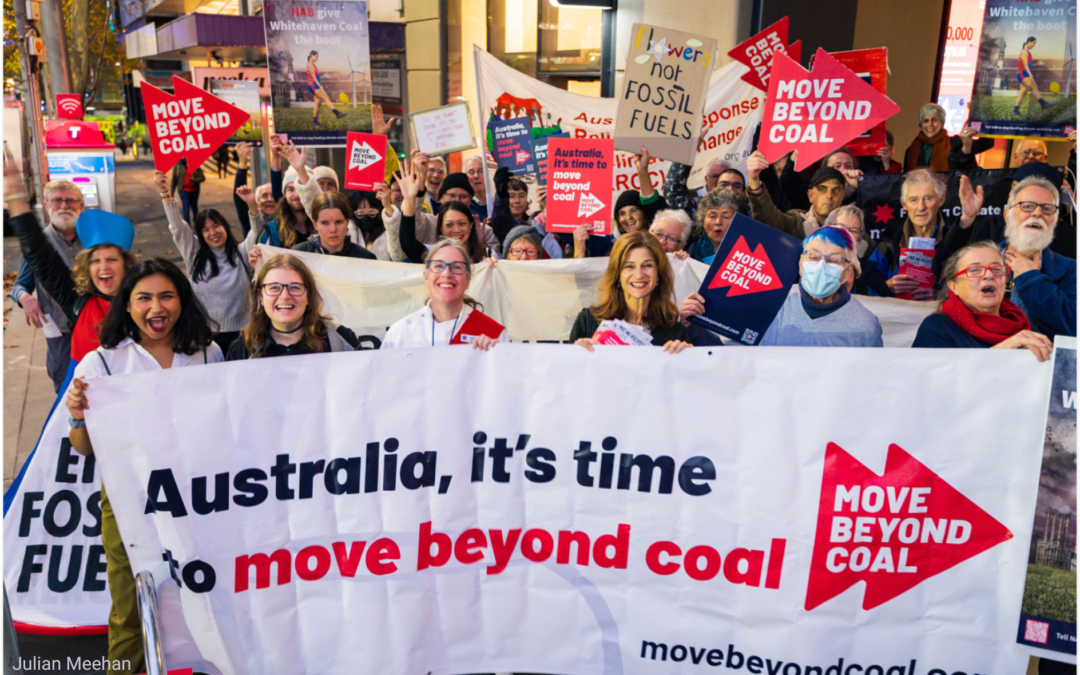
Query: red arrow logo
x=757 y=53
x=745 y=272
x=819 y=111
x=192 y=123
x=892 y=531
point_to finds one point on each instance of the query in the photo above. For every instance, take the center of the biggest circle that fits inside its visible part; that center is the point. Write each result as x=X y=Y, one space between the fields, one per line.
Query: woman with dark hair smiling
x=286 y=315
x=216 y=262
x=455 y=221
x=156 y=322
x=638 y=288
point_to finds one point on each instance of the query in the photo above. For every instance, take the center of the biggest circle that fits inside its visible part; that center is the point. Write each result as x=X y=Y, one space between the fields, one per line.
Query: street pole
x=56 y=46
x=35 y=129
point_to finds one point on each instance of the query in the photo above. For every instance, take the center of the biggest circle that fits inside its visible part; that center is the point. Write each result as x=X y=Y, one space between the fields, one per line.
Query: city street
x=28 y=392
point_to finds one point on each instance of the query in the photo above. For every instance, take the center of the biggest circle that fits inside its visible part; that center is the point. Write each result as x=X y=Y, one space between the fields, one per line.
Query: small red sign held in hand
x=366 y=167
x=189 y=124
x=819 y=111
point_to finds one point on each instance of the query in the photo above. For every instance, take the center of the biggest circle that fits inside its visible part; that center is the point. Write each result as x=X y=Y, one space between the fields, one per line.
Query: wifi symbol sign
x=69 y=106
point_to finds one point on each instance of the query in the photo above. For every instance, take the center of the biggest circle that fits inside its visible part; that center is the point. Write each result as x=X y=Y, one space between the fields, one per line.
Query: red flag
x=819 y=111
x=191 y=123
x=892 y=531
x=757 y=53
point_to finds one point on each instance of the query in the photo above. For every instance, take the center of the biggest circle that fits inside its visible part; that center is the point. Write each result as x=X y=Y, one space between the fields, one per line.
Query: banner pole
x=482 y=130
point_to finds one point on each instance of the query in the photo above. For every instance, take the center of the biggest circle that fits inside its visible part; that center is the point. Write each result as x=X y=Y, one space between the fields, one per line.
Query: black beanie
x=627 y=198
x=457 y=180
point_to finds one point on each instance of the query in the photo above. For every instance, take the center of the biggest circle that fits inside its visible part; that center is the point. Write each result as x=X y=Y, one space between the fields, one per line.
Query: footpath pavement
x=28 y=391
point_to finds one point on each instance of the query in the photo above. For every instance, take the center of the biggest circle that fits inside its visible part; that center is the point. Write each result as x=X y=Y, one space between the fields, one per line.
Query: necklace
x=452 y=328
x=286 y=332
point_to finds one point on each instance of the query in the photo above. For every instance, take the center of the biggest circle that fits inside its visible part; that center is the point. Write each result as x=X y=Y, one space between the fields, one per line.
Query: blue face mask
x=821 y=279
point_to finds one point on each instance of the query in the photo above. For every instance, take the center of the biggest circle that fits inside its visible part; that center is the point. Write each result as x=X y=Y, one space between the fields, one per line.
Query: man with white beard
x=1044 y=283
x=63 y=204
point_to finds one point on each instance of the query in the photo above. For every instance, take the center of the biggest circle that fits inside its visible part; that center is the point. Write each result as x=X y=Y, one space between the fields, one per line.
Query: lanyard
x=452 y=328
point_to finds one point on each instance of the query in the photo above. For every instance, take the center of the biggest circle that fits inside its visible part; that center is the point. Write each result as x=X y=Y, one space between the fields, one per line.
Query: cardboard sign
x=441 y=131
x=366 y=166
x=579 y=190
x=749 y=280
x=663 y=92
x=540 y=155
x=512 y=147
x=69 y=106
x=872 y=65
x=817 y=112
x=757 y=53
x=917 y=262
x=190 y=125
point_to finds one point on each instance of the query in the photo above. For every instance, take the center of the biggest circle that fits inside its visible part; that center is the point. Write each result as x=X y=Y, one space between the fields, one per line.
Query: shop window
x=570 y=39
x=512 y=28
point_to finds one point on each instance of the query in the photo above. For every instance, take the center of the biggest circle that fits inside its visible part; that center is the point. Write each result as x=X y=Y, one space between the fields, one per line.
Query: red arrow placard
x=892 y=531
x=819 y=111
x=191 y=124
x=745 y=272
x=757 y=53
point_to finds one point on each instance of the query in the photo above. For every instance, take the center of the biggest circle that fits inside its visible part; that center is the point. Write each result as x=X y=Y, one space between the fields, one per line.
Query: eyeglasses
x=525 y=252
x=58 y=202
x=438 y=267
x=979 y=271
x=666 y=238
x=1029 y=207
x=1036 y=154
x=724 y=185
x=274 y=290
x=832 y=258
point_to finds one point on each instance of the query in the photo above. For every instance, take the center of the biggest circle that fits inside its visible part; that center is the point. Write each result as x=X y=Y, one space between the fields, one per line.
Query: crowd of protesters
x=1004 y=281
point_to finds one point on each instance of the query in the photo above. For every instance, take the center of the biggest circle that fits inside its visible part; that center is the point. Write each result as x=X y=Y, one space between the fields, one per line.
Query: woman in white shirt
x=450 y=317
x=157 y=322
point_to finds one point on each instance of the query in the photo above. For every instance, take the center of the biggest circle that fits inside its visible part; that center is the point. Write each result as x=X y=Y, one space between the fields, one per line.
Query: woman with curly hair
x=83 y=292
x=287 y=316
x=638 y=288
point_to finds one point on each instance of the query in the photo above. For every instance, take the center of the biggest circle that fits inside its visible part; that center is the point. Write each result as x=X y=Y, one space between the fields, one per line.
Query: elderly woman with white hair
x=714 y=215
x=936 y=149
x=976 y=314
x=672 y=227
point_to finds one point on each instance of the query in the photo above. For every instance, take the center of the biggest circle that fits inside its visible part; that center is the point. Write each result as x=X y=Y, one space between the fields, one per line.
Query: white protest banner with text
x=313 y=513
x=535 y=300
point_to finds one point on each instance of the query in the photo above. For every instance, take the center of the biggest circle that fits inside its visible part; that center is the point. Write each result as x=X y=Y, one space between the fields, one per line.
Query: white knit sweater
x=225 y=296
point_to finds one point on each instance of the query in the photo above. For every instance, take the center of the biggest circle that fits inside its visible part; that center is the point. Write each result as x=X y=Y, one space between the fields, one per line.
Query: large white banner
x=733 y=110
x=539 y=508
x=55 y=566
x=535 y=300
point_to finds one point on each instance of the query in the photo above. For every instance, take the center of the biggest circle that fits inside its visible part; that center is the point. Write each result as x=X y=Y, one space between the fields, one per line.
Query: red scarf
x=939 y=156
x=84 y=336
x=988 y=328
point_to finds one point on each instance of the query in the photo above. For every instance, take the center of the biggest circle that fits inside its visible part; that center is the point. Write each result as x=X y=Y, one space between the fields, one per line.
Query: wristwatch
x=74 y=423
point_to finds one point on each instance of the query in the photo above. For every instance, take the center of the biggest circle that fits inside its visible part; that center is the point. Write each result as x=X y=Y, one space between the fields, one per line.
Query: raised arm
x=183 y=236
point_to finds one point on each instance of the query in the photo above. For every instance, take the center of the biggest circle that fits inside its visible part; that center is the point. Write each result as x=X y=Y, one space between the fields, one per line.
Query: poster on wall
x=320 y=69
x=245 y=96
x=1048 y=614
x=1026 y=80
x=960 y=61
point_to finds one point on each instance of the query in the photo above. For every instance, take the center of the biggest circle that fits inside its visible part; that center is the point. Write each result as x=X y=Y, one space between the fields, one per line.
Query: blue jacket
x=1048 y=296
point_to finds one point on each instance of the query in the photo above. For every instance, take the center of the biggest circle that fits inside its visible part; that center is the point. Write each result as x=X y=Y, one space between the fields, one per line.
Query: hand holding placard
x=579 y=184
